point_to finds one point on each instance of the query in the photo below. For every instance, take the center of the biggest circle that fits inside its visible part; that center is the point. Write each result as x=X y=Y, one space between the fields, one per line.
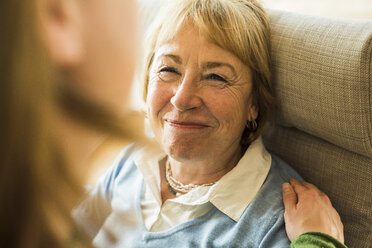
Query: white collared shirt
x=231 y=194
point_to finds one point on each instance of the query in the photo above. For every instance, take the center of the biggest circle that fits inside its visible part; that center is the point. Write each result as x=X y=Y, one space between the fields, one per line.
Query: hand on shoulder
x=308 y=209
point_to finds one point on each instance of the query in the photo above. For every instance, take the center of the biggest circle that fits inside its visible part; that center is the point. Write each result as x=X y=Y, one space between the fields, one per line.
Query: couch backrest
x=322 y=75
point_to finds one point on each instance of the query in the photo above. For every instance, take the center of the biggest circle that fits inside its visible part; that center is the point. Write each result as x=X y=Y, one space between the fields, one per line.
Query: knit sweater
x=115 y=208
x=316 y=240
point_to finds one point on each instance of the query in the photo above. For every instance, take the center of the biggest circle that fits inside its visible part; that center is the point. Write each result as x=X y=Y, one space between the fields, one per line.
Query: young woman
x=66 y=68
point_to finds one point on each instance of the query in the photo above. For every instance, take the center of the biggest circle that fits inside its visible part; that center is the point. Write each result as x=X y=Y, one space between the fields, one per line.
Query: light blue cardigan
x=112 y=214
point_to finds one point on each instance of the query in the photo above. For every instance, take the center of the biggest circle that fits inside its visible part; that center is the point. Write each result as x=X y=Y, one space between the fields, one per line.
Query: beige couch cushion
x=322 y=78
x=323 y=72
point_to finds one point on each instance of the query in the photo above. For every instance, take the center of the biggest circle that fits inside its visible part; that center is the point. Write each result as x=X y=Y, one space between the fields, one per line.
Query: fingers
x=289 y=197
x=302 y=186
x=298 y=186
x=309 y=185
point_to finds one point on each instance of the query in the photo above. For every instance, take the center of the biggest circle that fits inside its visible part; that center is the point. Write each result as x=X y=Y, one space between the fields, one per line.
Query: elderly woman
x=209 y=181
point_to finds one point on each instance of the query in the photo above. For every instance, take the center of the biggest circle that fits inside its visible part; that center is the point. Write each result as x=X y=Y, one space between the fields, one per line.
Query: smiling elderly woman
x=209 y=182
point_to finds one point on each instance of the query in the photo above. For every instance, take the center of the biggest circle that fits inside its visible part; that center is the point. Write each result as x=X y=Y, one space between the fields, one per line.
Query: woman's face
x=94 y=43
x=199 y=98
x=110 y=41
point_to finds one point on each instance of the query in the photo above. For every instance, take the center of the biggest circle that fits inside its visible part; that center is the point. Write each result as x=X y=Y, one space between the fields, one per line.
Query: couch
x=322 y=76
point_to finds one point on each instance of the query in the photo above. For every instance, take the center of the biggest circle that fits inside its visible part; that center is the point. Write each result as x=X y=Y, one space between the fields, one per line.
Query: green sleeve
x=316 y=240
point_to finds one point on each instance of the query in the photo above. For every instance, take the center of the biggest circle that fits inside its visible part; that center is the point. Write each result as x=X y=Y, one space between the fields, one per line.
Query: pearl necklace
x=175 y=185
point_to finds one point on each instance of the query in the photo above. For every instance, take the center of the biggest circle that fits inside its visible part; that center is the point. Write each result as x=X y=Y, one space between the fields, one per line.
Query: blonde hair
x=38 y=188
x=238 y=26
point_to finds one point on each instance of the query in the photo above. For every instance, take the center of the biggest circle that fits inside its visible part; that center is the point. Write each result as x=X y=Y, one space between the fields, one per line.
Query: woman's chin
x=183 y=153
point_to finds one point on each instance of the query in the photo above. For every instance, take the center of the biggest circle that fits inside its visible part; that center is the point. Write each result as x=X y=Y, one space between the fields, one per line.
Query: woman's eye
x=215 y=77
x=168 y=73
x=169 y=69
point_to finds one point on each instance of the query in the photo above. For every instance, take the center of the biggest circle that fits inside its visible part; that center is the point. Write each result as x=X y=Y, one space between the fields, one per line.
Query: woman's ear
x=252 y=112
x=62 y=31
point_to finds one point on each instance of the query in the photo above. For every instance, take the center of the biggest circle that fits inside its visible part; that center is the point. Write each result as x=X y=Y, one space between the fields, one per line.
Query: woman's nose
x=186 y=95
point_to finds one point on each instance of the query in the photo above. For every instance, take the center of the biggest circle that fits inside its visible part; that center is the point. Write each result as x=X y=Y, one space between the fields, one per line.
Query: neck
x=204 y=171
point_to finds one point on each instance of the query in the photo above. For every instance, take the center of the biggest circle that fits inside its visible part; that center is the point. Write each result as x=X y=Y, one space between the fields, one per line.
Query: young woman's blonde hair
x=37 y=187
x=238 y=26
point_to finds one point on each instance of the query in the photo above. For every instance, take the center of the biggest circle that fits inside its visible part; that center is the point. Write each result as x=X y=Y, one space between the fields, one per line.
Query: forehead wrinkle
x=177 y=59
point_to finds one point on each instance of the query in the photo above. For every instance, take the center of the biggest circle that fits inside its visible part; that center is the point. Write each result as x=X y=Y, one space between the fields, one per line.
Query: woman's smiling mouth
x=185 y=124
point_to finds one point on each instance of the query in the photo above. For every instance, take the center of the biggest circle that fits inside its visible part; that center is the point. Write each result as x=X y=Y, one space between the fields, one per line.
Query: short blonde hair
x=238 y=26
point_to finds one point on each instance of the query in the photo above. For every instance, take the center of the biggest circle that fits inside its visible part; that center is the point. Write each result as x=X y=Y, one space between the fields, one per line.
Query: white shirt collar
x=241 y=184
x=231 y=194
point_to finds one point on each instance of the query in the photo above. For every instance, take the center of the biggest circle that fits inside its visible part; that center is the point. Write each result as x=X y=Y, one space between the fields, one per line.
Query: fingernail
x=286 y=187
